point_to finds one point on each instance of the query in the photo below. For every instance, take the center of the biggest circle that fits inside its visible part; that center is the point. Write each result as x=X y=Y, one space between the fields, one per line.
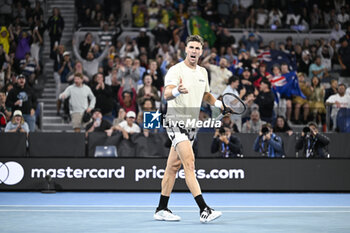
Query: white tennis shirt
x=195 y=81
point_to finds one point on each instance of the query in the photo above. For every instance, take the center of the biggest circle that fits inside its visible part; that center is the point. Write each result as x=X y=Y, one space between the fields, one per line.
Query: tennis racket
x=232 y=105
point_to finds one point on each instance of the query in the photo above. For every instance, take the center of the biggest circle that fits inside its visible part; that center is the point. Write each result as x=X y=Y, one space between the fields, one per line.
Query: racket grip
x=218 y=118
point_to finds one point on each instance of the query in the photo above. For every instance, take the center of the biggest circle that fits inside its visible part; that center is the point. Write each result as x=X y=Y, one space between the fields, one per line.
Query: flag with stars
x=198 y=26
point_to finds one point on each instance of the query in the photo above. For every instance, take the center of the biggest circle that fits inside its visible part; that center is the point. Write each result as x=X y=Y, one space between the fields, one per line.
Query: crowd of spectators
x=122 y=78
x=261 y=14
x=21 y=39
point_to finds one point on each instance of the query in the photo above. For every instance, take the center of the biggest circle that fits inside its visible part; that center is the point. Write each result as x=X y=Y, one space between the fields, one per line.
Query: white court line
x=180 y=211
x=175 y=206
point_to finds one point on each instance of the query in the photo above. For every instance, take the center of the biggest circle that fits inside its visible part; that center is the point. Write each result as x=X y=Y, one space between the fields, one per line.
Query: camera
x=306 y=130
x=265 y=130
x=222 y=131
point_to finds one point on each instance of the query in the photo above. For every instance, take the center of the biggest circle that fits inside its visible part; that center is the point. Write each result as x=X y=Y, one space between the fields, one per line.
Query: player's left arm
x=209 y=98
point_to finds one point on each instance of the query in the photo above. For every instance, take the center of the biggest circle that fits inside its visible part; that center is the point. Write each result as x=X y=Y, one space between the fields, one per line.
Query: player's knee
x=176 y=166
x=189 y=165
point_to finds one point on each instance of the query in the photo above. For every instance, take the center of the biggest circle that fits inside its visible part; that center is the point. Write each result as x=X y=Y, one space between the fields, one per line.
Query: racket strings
x=234 y=104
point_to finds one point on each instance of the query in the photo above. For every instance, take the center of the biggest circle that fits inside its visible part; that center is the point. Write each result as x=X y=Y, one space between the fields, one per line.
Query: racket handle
x=219 y=117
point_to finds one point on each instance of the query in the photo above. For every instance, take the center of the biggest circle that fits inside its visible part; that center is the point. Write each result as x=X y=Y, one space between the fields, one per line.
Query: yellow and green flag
x=198 y=26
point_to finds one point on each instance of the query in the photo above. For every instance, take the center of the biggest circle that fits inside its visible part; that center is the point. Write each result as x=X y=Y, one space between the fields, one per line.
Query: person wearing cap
x=127 y=127
x=22 y=97
x=65 y=67
x=17 y=124
x=252 y=42
x=80 y=95
x=98 y=124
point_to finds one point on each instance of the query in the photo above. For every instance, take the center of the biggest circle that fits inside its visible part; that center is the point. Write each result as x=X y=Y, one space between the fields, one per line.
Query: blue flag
x=286 y=85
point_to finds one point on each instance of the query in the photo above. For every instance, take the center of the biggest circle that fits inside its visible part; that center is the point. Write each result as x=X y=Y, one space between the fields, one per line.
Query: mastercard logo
x=11 y=173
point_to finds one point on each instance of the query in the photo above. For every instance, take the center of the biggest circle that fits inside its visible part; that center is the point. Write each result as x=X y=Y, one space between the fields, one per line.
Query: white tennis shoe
x=209 y=215
x=166 y=215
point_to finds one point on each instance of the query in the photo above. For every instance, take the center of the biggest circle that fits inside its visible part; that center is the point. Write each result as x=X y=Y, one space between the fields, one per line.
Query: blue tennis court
x=133 y=212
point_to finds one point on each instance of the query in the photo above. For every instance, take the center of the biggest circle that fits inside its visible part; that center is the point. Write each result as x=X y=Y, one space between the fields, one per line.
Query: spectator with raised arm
x=219 y=74
x=91 y=63
x=129 y=50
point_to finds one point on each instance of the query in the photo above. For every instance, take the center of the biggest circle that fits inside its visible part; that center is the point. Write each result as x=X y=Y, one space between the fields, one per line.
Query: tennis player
x=186 y=86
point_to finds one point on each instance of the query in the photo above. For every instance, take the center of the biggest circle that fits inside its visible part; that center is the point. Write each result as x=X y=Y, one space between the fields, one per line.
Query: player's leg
x=186 y=155
x=173 y=165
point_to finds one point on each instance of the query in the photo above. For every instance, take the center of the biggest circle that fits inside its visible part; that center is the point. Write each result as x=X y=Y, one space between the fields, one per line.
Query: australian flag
x=286 y=85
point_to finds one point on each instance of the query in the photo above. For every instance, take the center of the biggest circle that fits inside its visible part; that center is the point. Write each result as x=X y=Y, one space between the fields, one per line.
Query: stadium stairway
x=51 y=122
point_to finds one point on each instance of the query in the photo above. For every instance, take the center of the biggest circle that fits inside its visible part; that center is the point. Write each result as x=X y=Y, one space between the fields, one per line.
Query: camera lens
x=306 y=129
x=265 y=130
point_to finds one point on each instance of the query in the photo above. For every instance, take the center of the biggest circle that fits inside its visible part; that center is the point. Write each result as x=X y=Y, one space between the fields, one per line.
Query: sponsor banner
x=121 y=174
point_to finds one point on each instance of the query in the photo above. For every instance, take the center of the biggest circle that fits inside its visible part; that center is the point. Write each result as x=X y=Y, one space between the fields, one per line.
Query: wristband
x=175 y=92
x=218 y=104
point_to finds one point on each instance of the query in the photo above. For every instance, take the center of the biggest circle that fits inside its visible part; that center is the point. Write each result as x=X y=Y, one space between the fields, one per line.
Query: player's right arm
x=172 y=91
x=173 y=84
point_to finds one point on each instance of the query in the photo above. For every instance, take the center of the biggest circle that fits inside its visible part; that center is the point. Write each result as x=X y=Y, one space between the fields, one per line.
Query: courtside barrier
x=155 y=145
x=141 y=174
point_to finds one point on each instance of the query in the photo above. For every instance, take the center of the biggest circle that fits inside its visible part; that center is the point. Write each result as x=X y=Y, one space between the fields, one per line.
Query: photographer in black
x=228 y=144
x=268 y=144
x=313 y=143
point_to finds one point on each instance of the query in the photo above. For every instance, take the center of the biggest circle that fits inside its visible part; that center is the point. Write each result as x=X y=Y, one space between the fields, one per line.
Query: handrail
x=241 y=30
